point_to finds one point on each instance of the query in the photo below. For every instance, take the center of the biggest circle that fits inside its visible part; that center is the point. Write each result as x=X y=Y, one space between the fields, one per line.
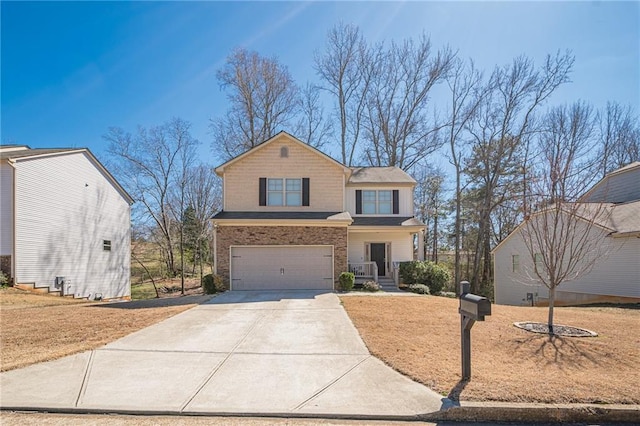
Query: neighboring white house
x=615 y=278
x=64 y=223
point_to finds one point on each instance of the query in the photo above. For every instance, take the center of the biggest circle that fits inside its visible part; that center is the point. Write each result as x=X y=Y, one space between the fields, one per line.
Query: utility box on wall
x=60 y=281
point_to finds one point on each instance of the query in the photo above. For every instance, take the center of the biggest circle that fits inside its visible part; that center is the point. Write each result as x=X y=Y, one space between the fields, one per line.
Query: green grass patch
x=142 y=291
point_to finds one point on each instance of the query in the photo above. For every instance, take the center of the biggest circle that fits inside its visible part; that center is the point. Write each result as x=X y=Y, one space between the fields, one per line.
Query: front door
x=378 y=255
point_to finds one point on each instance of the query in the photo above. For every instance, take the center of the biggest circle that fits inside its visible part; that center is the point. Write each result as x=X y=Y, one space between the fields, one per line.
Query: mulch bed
x=558 y=330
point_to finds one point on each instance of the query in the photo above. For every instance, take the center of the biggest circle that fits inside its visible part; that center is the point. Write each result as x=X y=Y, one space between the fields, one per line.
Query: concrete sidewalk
x=243 y=353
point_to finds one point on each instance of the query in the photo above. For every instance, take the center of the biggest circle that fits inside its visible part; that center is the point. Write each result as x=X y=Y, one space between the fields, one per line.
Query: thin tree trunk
x=552 y=298
x=434 y=255
x=456 y=273
x=148 y=273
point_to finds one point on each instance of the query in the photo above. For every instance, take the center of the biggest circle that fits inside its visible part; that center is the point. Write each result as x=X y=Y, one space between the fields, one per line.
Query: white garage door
x=282 y=268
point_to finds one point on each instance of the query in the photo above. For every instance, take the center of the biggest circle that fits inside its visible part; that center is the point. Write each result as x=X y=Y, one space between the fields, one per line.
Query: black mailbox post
x=472 y=308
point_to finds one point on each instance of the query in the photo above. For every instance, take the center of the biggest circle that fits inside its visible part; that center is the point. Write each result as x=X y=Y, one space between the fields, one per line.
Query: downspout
x=215 y=248
x=11 y=163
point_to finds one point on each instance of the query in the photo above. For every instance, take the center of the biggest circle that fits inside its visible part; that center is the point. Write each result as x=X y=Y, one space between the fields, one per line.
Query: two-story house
x=294 y=218
x=615 y=276
x=65 y=223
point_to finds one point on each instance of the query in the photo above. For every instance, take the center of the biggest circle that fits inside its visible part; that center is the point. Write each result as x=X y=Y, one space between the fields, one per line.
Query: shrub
x=449 y=294
x=4 y=279
x=419 y=288
x=371 y=286
x=346 y=281
x=212 y=284
x=428 y=273
x=438 y=278
x=408 y=272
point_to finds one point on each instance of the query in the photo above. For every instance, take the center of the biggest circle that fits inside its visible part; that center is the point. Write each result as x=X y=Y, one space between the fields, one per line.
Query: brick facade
x=281 y=235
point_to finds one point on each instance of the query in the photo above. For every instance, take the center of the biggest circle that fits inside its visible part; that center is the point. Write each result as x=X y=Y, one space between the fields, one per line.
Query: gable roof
x=386 y=221
x=380 y=175
x=13 y=155
x=618 y=186
x=619 y=219
x=17 y=155
x=624 y=218
x=220 y=169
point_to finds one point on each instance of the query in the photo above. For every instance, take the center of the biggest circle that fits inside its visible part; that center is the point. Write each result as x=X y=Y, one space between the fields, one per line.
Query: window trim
x=515 y=263
x=284 y=191
x=392 y=202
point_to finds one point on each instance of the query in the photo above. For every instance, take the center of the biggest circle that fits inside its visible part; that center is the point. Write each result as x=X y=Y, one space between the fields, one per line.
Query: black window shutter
x=358 y=201
x=396 y=201
x=262 y=198
x=305 y=191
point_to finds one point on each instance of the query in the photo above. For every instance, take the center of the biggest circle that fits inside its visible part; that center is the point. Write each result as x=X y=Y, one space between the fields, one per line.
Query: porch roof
x=386 y=221
x=276 y=215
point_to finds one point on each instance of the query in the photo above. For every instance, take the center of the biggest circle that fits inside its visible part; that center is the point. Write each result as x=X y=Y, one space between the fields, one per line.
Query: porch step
x=387 y=284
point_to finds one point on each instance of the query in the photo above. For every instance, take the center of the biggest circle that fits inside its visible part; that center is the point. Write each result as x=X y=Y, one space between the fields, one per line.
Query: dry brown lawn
x=37 y=328
x=420 y=337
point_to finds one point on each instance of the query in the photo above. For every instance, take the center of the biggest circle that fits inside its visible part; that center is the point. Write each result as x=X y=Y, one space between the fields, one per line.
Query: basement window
x=106 y=245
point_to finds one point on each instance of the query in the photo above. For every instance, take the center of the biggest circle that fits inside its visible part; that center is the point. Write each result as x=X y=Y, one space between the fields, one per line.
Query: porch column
x=420 y=245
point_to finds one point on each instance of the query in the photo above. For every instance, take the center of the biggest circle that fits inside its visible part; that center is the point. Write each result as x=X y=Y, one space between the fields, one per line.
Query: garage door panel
x=282 y=267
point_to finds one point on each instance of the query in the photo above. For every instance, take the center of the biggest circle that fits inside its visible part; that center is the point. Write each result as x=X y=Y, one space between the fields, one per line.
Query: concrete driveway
x=252 y=353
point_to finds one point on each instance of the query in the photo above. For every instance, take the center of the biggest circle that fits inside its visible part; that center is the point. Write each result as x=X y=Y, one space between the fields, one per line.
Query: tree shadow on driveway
x=243 y=297
x=158 y=303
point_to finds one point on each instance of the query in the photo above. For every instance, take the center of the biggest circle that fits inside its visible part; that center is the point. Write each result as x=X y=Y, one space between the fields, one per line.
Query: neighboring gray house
x=615 y=278
x=64 y=223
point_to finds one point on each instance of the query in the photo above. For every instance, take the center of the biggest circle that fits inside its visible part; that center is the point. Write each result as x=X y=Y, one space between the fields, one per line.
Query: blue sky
x=70 y=70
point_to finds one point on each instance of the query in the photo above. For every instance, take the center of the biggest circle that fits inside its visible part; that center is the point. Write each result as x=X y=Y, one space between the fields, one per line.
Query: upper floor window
x=515 y=263
x=284 y=192
x=377 y=202
x=284 y=152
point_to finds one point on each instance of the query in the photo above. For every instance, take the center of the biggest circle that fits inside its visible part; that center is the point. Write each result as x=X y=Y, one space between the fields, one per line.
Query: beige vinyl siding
x=6 y=209
x=326 y=183
x=617 y=274
x=65 y=209
x=405 y=198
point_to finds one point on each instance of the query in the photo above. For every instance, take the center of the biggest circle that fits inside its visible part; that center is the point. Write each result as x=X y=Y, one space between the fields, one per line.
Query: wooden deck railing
x=364 y=270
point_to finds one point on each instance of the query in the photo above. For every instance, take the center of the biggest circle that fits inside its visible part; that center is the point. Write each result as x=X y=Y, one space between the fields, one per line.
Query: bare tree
x=262 y=99
x=343 y=69
x=204 y=196
x=430 y=205
x=565 y=149
x=137 y=256
x=564 y=238
x=399 y=130
x=619 y=137
x=147 y=164
x=184 y=161
x=500 y=130
x=464 y=84
x=312 y=126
